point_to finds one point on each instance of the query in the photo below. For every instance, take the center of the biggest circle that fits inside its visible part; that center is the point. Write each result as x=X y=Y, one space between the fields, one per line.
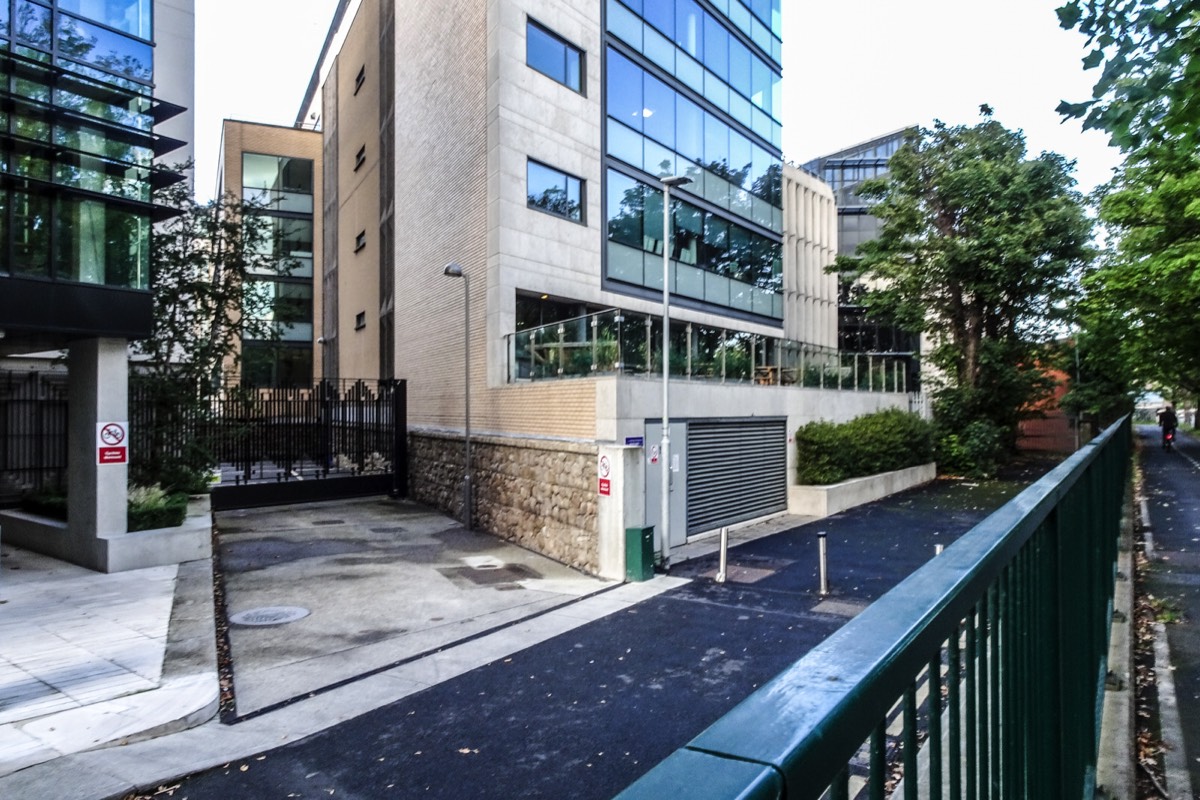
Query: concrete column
x=98 y=393
x=623 y=507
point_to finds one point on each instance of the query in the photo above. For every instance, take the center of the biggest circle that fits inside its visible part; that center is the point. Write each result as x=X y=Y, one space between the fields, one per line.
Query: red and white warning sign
x=112 y=446
x=604 y=468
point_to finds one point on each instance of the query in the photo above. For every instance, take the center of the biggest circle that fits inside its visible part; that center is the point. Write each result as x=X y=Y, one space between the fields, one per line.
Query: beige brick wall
x=358 y=195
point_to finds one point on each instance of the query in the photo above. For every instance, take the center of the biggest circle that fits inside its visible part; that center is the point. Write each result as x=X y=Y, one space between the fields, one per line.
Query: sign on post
x=112 y=446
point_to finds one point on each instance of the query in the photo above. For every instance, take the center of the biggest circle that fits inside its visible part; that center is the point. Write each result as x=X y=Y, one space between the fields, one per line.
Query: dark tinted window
x=553 y=57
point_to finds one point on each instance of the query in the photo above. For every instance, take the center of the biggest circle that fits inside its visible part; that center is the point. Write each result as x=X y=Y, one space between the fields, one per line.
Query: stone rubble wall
x=539 y=494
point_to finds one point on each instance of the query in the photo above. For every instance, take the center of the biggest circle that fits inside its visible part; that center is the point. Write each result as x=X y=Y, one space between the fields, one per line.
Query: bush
x=867 y=445
x=975 y=451
x=151 y=507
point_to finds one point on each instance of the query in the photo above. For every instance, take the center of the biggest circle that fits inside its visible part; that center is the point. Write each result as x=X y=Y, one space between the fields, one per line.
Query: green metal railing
x=616 y=342
x=980 y=676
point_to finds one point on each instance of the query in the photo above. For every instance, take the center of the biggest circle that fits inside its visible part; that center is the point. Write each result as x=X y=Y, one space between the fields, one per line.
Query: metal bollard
x=824 y=557
x=724 y=554
x=938 y=548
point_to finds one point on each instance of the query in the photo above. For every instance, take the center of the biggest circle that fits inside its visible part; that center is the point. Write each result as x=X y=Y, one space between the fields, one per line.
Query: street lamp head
x=675 y=181
x=453 y=270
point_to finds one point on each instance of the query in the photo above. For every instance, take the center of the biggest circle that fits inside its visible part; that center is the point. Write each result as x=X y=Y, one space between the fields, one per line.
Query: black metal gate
x=277 y=446
x=33 y=433
x=273 y=446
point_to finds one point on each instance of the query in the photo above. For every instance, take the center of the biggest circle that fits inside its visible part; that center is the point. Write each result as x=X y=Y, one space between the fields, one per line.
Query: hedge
x=867 y=445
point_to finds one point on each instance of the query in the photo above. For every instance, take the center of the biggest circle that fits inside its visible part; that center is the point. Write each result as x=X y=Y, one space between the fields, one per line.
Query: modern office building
x=508 y=157
x=277 y=171
x=94 y=93
x=845 y=171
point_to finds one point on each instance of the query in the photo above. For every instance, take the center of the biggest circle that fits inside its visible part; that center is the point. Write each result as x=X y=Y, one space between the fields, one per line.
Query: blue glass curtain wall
x=697 y=49
x=658 y=130
x=714 y=260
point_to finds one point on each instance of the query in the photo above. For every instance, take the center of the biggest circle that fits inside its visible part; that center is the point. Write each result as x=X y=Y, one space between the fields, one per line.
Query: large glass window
x=27 y=230
x=291 y=241
x=102 y=245
x=130 y=16
x=717 y=260
x=31 y=24
x=553 y=56
x=682 y=135
x=278 y=182
x=700 y=51
x=107 y=49
x=554 y=192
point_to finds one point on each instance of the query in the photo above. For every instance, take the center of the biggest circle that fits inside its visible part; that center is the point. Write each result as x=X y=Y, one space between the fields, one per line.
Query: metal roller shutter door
x=736 y=470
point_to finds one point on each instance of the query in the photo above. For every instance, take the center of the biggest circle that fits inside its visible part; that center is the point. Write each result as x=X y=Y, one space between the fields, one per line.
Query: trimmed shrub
x=149 y=507
x=867 y=445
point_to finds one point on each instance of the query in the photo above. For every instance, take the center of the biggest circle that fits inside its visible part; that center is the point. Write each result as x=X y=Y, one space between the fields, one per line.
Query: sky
x=852 y=71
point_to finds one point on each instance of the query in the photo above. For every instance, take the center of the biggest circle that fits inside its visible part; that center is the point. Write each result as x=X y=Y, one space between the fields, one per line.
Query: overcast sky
x=852 y=71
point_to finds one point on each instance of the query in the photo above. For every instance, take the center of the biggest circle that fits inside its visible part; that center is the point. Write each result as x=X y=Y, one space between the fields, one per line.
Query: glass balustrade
x=616 y=342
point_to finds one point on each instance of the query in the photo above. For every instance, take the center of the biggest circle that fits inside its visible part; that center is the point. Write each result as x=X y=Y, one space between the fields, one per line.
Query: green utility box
x=639 y=554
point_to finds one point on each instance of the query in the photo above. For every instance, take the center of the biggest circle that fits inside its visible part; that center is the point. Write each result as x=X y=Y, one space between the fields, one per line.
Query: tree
x=1143 y=48
x=980 y=248
x=209 y=264
x=1149 y=285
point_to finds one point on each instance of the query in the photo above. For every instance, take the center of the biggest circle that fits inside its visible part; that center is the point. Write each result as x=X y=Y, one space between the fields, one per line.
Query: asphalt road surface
x=585 y=714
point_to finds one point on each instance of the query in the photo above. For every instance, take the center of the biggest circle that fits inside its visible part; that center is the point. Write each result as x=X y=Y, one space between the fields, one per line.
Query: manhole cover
x=271 y=615
x=329 y=522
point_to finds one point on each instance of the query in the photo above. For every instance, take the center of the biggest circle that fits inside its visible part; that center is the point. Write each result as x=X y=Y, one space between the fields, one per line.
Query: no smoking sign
x=111 y=444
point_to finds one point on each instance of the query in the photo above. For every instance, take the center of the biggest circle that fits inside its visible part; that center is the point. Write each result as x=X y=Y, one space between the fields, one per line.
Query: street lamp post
x=454 y=270
x=665 y=445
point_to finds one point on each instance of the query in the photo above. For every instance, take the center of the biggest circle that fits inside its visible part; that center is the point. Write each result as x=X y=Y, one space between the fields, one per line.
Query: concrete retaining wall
x=822 y=501
x=114 y=553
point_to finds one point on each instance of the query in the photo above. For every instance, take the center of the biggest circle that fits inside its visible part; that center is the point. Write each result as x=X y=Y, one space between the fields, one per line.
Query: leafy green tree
x=1146 y=91
x=980 y=248
x=208 y=265
x=1148 y=287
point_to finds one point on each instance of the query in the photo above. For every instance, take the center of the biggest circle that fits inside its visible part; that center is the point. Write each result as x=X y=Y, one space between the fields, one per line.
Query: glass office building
x=695 y=91
x=76 y=148
x=845 y=172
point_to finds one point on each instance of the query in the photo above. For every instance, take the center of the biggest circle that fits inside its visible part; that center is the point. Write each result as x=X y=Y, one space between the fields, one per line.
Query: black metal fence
x=33 y=433
x=261 y=439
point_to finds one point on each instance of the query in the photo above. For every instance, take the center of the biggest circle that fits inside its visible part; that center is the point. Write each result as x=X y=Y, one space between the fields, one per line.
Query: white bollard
x=724 y=554
x=824 y=556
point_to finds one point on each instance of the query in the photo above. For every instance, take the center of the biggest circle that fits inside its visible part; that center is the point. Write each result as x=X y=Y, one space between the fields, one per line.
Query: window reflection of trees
x=700 y=238
x=555 y=200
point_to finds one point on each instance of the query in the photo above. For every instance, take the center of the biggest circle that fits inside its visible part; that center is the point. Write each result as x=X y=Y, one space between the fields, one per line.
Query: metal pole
x=456 y=271
x=665 y=442
x=724 y=554
x=938 y=548
x=467 y=400
x=665 y=445
x=824 y=559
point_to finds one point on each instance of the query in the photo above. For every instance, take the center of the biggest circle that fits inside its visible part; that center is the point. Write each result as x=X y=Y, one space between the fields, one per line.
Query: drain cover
x=271 y=615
